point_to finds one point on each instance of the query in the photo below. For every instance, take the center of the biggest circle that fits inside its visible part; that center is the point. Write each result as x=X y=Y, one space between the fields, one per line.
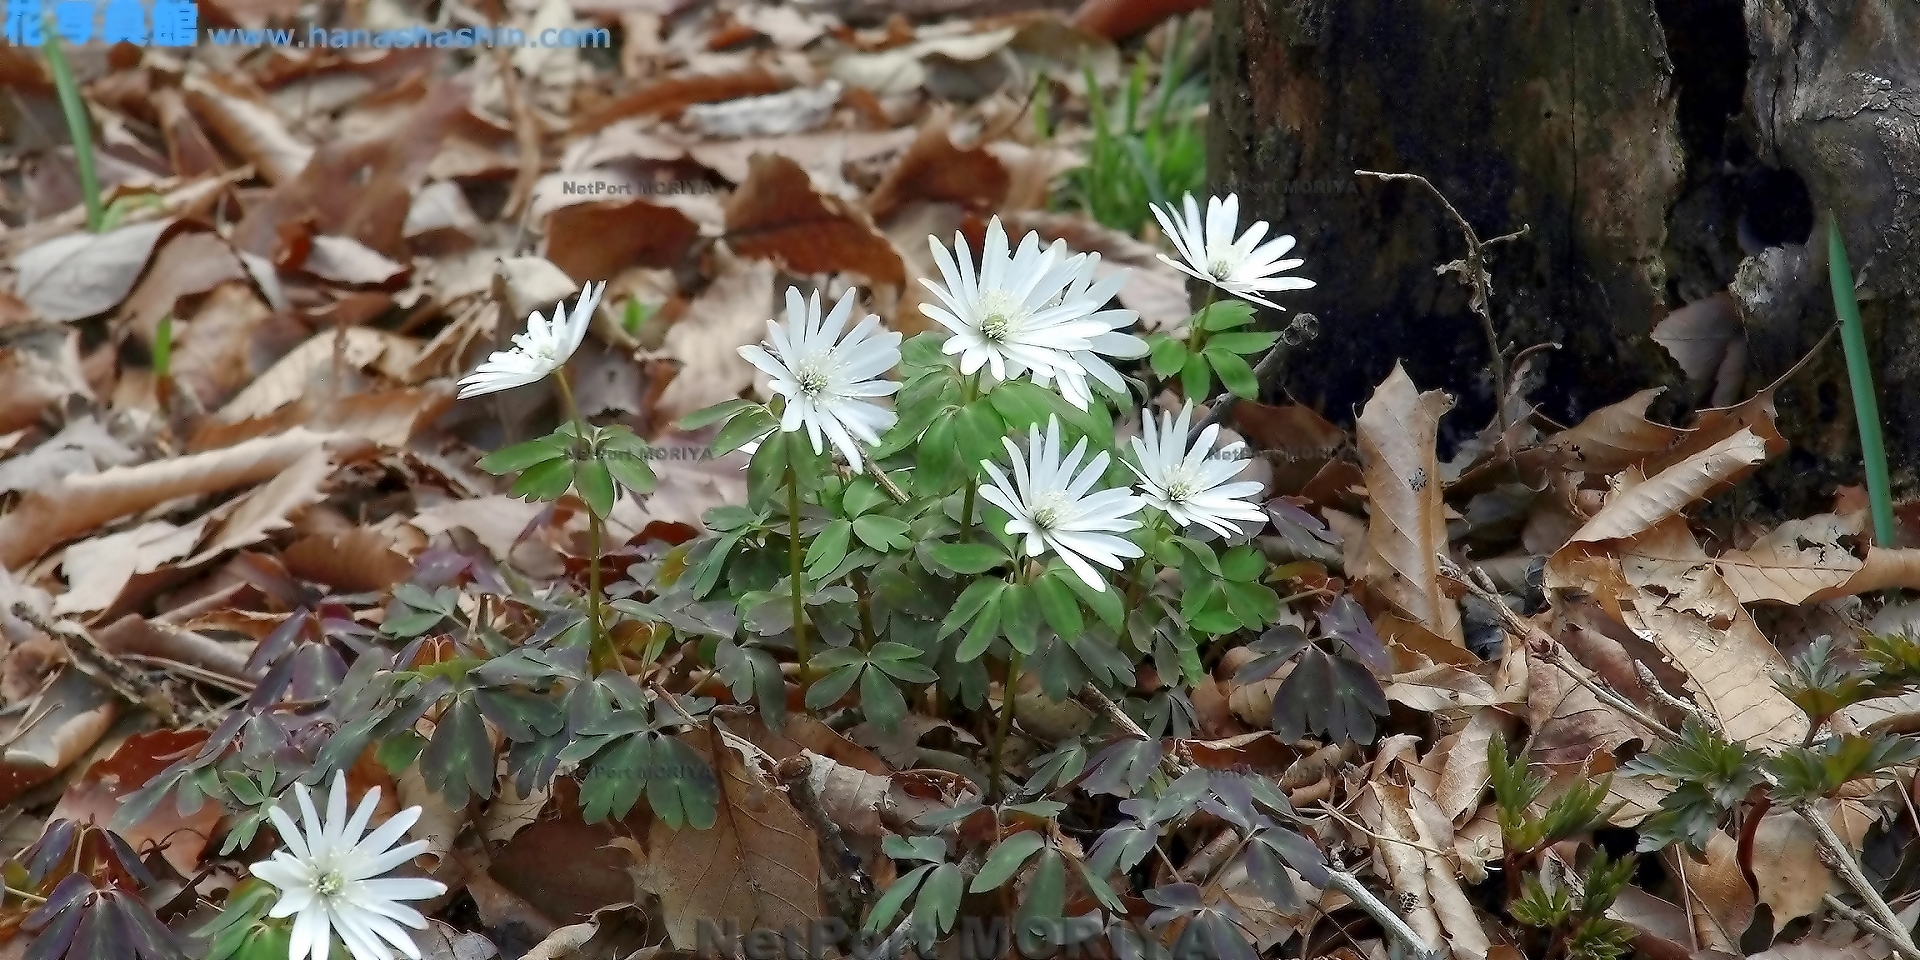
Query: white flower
x=1110 y=343
x=541 y=350
x=1017 y=314
x=827 y=380
x=1053 y=504
x=1243 y=267
x=1189 y=485
x=330 y=878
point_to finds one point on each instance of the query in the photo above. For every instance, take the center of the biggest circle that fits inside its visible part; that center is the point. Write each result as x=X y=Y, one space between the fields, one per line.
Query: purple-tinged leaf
x=1346 y=621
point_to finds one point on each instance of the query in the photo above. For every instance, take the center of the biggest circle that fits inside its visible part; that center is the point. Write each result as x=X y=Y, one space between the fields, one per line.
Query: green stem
x=866 y=609
x=1007 y=698
x=79 y=125
x=968 y=396
x=1197 y=337
x=596 y=534
x=1866 y=408
x=22 y=894
x=793 y=566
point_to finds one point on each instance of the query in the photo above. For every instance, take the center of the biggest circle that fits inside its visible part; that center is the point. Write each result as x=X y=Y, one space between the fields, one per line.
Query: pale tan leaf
x=98 y=569
x=731 y=313
x=1675 y=599
x=1462 y=760
x=1719 y=903
x=39 y=367
x=1616 y=436
x=355 y=560
x=1699 y=335
x=85 y=274
x=1798 y=559
x=81 y=712
x=249 y=519
x=1637 y=508
x=312 y=364
x=190 y=263
x=1790 y=877
x=346 y=260
x=1383 y=808
x=249 y=127
x=758 y=867
x=1407 y=523
x=47 y=517
x=498 y=522
x=1440 y=687
x=1883 y=569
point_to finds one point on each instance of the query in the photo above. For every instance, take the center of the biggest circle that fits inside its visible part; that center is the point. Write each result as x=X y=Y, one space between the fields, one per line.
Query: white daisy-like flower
x=1014 y=315
x=1054 y=505
x=1091 y=362
x=1243 y=267
x=1190 y=485
x=542 y=349
x=828 y=381
x=330 y=878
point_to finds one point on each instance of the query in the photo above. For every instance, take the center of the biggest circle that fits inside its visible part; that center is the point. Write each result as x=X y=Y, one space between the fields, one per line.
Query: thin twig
x=99 y=664
x=1841 y=859
x=845 y=884
x=1872 y=926
x=1651 y=684
x=1473 y=272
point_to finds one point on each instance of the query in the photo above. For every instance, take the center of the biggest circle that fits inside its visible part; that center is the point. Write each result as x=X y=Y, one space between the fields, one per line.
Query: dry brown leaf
x=98 y=569
x=47 y=517
x=1569 y=722
x=1383 y=808
x=1715 y=426
x=786 y=113
x=668 y=97
x=1703 y=336
x=354 y=561
x=934 y=169
x=1796 y=560
x=601 y=239
x=1788 y=873
x=348 y=261
x=1719 y=902
x=1615 y=437
x=250 y=518
x=39 y=366
x=81 y=713
x=1882 y=570
x=1635 y=509
x=1439 y=687
x=1462 y=761
x=1407 y=523
x=96 y=797
x=85 y=274
x=732 y=312
x=232 y=337
x=388 y=418
x=757 y=868
x=1668 y=592
x=314 y=363
x=778 y=215
x=1419 y=871
x=192 y=262
x=498 y=522
x=249 y=127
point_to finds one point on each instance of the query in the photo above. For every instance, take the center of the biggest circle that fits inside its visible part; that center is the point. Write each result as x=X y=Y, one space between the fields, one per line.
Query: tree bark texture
x=1659 y=152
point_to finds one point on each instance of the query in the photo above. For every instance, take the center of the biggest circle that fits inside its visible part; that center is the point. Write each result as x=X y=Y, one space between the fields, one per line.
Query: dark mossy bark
x=1658 y=151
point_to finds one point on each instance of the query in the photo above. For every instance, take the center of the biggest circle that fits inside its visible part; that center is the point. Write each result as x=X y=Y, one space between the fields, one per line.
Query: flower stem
x=1197 y=337
x=866 y=609
x=967 y=397
x=1007 y=698
x=793 y=566
x=604 y=651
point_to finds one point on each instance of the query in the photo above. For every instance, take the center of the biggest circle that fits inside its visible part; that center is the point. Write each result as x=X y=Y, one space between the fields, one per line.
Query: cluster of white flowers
x=1027 y=311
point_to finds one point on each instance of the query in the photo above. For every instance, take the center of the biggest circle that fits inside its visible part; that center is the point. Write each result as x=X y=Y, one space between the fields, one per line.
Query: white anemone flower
x=1013 y=316
x=1243 y=267
x=1190 y=484
x=1092 y=362
x=1054 y=505
x=828 y=381
x=330 y=878
x=542 y=349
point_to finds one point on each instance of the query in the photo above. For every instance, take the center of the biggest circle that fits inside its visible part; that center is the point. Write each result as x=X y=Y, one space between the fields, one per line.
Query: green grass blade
x=1866 y=407
x=79 y=125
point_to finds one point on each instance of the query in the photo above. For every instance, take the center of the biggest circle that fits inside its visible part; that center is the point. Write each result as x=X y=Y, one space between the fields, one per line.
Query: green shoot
x=79 y=125
x=1147 y=145
x=1866 y=407
x=163 y=349
x=635 y=317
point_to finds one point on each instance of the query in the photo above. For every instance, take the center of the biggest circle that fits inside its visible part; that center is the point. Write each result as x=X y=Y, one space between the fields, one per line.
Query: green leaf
x=862 y=495
x=940 y=898
x=938 y=457
x=882 y=533
x=1234 y=373
x=1105 y=604
x=1245 y=344
x=767 y=471
x=545 y=481
x=746 y=426
x=895 y=897
x=1020 y=618
x=686 y=790
x=880 y=700
x=714 y=414
x=980 y=431
x=632 y=471
x=1254 y=605
x=1023 y=404
x=1058 y=605
x=1168 y=356
x=523 y=455
x=1045 y=899
x=1195 y=378
x=967 y=558
x=1225 y=315
x=971 y=602
x=1005 y=860
x=985 y=627
x=595 y=484
x=829 y=548
x=828 y=690
x=458 y=762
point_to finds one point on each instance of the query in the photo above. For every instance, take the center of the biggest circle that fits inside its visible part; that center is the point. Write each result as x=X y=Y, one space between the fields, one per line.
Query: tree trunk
x=1658 y=152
